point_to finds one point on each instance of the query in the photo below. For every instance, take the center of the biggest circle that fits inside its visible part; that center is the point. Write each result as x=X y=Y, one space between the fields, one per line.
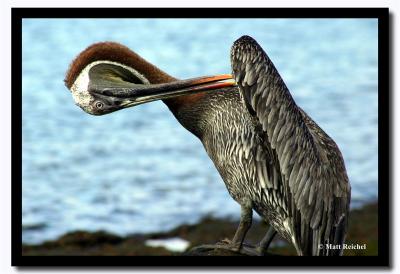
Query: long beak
x=139 y=94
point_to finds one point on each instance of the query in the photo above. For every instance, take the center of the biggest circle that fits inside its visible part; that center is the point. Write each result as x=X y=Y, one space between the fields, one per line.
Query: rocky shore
x=363 y=232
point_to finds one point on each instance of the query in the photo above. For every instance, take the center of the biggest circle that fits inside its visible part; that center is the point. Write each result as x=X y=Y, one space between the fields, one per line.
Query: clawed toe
x=225 y=241
x=244 y=249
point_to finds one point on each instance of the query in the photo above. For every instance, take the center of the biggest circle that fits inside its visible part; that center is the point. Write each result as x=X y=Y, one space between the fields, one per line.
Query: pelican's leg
x=266 y=241
x=262 y=247
x=246 y=217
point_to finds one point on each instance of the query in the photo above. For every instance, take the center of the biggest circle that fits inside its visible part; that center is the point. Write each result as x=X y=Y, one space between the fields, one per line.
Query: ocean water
x=138 y=170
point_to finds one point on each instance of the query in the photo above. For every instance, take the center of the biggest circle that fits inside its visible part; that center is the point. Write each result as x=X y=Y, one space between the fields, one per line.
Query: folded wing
x=310 y=163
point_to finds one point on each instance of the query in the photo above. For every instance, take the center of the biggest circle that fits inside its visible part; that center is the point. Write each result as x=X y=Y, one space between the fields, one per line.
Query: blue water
x=138 y=170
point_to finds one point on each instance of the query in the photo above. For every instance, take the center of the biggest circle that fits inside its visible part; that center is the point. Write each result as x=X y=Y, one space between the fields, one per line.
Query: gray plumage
x=314 y=187
x=272 y=155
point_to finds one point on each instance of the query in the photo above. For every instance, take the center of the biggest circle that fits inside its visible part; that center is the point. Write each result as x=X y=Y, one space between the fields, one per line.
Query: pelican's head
x=107 y=77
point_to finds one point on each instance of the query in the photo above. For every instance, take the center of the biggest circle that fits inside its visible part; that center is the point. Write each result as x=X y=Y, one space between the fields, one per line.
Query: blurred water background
x=138 y=170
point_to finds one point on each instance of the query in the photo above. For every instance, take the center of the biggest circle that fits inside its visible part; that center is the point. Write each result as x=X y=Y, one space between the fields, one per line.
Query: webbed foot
x=244 y=249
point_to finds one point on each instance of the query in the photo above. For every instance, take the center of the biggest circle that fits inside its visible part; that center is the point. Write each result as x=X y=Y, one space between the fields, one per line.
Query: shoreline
x=363 y=231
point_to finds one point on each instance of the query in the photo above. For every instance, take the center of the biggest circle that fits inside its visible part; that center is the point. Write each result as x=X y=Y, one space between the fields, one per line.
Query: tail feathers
x=340 y=234
x=334 y=245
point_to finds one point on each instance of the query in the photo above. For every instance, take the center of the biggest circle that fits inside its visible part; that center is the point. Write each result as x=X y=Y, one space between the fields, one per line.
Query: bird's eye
x=99 y=105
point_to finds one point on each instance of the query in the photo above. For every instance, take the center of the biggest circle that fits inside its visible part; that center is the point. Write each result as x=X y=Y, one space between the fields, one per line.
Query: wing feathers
x=314 y=176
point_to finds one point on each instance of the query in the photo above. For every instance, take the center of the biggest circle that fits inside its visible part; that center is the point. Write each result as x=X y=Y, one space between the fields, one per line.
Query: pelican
x=273 y=158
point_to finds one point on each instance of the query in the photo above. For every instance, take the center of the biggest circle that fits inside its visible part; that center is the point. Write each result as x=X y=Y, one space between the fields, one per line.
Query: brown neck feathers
x=115 y=52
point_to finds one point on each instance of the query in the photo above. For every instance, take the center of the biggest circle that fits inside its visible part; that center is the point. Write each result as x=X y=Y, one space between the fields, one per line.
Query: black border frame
x=382 y=14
